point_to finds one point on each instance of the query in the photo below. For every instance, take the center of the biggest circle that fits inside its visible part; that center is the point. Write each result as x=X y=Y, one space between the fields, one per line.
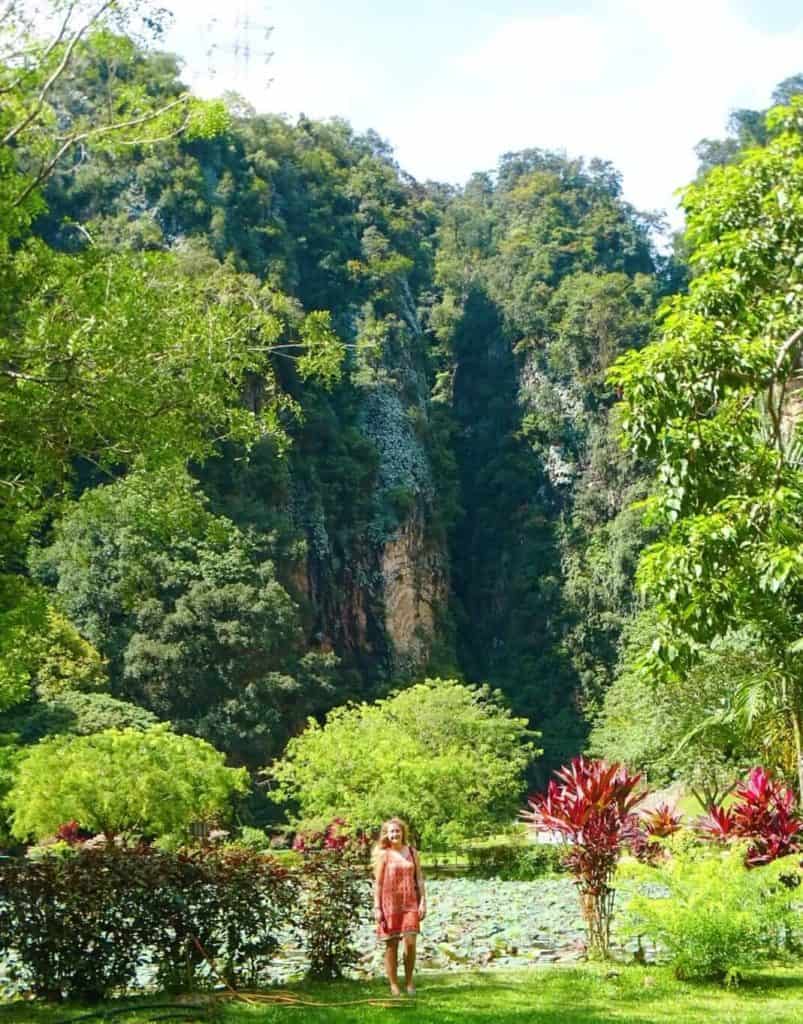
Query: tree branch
x=46 y=169
x=57 y=73
x=31 y=378
x=790 y=342
x=7 y=58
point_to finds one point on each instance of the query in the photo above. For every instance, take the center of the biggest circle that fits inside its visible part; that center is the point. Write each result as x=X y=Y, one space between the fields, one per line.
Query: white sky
x=454 y=85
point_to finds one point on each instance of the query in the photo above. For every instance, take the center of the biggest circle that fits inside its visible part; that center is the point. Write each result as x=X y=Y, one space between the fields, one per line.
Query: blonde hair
x=383 y=843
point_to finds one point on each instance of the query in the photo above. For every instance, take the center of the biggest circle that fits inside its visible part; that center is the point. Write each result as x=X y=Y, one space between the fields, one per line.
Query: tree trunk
x=797 y=731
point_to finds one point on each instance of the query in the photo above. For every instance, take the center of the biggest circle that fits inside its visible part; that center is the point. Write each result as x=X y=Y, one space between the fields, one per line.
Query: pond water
x=477 y=923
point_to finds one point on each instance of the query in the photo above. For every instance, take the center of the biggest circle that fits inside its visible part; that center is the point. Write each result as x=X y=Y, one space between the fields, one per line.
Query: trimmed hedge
x=81 y=923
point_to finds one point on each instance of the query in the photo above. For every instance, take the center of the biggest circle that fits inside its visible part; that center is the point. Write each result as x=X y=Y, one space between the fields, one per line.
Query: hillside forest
x=283 y=429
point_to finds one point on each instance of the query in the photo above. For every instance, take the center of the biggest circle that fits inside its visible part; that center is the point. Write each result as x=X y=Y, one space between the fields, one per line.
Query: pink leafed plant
x=659 y=823
x=72 y=833
x=764 y=811
x=592 y=805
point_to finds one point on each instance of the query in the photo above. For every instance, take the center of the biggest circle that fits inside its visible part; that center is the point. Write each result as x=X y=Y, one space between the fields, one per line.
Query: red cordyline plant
x=592 y=805
x=763 y=812
x=658 y=823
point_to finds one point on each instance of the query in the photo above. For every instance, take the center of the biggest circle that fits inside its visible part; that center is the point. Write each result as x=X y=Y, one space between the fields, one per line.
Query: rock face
x=375 y=578
x=414 y=585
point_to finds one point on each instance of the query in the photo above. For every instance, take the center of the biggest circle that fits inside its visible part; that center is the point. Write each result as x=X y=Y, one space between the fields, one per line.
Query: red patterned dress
x=398 y=895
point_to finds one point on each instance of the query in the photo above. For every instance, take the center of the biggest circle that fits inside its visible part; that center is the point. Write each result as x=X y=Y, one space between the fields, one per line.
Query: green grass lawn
x=550 y=995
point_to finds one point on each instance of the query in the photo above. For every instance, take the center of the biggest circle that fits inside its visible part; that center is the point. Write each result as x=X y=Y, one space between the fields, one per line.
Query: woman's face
x=394 y=834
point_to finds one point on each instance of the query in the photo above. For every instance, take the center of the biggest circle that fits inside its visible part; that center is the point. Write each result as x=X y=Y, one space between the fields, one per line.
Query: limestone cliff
x=414 y=585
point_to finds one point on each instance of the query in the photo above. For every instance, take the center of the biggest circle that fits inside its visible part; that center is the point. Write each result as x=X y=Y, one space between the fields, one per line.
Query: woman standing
x=400 y=902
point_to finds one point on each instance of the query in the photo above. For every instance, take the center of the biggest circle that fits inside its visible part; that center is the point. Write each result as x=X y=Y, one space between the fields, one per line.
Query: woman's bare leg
x=392 y=964
x=409 y=962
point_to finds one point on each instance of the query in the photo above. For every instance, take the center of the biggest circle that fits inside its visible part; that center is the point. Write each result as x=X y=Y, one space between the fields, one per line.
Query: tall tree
x=714 y=403
x=105 y=356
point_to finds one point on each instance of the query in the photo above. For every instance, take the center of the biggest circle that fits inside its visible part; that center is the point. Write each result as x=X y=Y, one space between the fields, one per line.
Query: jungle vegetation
x=241 y=358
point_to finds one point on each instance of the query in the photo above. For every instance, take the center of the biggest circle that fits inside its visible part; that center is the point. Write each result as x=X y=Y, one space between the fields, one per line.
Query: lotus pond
x=476 y=923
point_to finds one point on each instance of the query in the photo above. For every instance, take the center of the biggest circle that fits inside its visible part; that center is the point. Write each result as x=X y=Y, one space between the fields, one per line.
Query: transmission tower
x=239 y=39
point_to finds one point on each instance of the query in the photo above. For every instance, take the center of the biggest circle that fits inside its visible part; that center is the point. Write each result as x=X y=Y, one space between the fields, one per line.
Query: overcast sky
x=454 y=85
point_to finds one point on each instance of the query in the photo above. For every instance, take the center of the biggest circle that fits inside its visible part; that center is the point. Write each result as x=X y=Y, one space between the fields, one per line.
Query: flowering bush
x=592 y=806
x=335 y=895
x=763 y=812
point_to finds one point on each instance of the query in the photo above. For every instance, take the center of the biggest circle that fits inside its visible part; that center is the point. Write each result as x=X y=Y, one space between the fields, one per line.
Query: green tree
x=448 y=757
x=188 y=611
x=713 y=404
x=41 y=652
x=745 y=128
x=76 y=713
x=42 y=58
x=150 y=783
x=688 y=728
x=108 y=356
x=117 y=358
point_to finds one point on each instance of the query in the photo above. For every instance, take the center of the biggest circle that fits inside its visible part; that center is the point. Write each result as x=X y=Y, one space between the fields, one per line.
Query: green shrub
x=80 y=922
x=151 y=782
x=75 y=925
x=250 y=838
x=711 y=915
x=516 y=860
x=448 y=758
x=335 y=897
x=226 y=905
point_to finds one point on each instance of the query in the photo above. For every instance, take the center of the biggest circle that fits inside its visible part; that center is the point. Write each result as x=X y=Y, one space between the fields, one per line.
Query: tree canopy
x=150 y=783
x=713 y=404
x=113 y=356
x=447 y=757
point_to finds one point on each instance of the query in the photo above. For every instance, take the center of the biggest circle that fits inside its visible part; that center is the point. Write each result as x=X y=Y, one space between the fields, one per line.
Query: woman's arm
x=379 y=875
x=419 y=881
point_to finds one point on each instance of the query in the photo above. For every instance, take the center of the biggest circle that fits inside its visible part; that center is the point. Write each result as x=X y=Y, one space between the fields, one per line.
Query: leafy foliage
x=76 y=926
x=717 y=919
x=147 y=782
x=336 y=897
x=81 y=923
x=592 y=806
x=104 y=355
x=689 y=728
x=546 y=275
x=449 y=757
x=76 y=713
x=656 y=824
x=712 y=403
x=764 y=811
x=41 y=652
x=189 y=612
x=226 y=905
x=516 y=860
